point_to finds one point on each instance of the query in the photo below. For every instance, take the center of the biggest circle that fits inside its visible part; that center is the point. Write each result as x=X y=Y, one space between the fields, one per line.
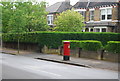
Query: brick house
x=99 y=16
x=55 y=9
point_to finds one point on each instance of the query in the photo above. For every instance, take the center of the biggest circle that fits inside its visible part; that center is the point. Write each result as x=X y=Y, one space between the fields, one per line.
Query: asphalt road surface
x=20 y=67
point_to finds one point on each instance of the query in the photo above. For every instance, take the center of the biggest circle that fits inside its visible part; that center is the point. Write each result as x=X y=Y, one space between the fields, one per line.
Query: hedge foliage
x=73 y=43
x=90 y=45
x=54 y=39
x=113 y=46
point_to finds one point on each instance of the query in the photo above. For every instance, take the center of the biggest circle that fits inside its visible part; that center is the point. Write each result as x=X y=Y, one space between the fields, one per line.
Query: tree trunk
x=18 y=46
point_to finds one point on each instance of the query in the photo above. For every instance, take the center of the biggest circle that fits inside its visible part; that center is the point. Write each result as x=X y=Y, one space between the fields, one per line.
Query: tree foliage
x=70 y=21
x=0 y=20
x=23 y=17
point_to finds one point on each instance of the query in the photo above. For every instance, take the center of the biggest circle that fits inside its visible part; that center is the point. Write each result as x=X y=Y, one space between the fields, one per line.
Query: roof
x=80 y=5
x=109 y=24
x=58 y=7
x=92 y=4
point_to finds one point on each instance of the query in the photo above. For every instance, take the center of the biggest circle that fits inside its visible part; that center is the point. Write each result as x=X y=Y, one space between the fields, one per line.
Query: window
x=97 y=30
x=82 y=13
x=100 y=29
x=50 y=19
x=87 y=30
x=91 y=30
x=103 y=14
x=106 y=14
x=103 y=29
x=109 y=14
x=91 y=15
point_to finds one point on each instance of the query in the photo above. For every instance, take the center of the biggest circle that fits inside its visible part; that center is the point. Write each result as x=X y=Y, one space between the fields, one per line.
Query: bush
x=54 y=39
x=113 y=46
x=89 y=45
x=73 y=43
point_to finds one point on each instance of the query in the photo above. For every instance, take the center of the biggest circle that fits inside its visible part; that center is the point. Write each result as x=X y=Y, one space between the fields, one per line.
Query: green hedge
x=54 y=39
x=73 y=43
x=113 y=46
x=89 y=45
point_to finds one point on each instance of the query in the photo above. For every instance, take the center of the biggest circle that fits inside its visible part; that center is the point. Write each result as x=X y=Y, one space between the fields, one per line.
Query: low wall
x=91 y=54
x=114 y=57
x=98 y=55
x=22 y=46
x=86 y=54
x=47 y=50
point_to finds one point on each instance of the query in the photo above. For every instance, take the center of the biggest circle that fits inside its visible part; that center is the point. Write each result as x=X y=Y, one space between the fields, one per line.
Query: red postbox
x=66 y=50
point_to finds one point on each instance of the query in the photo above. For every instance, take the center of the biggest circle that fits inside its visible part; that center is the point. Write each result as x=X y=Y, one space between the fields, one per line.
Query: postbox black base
x=66 y=58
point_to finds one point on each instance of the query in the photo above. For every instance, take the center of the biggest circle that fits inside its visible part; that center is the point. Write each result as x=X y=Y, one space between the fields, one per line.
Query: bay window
x=106 y=14
x=100 y=29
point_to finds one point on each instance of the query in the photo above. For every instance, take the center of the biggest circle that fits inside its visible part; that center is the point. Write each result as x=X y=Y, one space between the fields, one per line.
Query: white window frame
x=81 y=10
x=91 y=15
x=82 y=13
x=106 y=9
x=100 y=28
x=51 y=20
x=90 y=29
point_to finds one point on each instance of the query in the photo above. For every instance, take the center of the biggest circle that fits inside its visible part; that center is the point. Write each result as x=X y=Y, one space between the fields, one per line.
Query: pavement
x=21 y=67
x=83 y=62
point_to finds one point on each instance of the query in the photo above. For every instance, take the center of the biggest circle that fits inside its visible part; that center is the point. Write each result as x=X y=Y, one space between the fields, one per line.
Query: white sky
x=51 y=2
x=72 y=2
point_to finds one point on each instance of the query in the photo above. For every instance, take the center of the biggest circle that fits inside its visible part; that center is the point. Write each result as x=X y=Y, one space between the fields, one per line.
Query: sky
x=72 y=2
x=51 y=2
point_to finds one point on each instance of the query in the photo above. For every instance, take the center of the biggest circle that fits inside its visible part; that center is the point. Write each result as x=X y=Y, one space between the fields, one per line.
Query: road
x=20 y=67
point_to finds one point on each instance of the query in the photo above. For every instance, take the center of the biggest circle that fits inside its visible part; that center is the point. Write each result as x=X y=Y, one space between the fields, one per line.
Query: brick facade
x=115 y=13
x=101 y=21
x=87 y=15
x=101 y=16
x=97 y=14
x=110 y=25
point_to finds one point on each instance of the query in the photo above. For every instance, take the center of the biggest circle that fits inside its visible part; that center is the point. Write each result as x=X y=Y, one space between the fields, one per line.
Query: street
x=20 y=67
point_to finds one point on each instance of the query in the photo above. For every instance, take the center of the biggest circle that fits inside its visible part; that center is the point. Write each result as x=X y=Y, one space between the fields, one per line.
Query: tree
x=17 y=23
x=6 y=14
x=35 y=16
x=30 y=16
x=19 y=17
x=69 y=21
x=0 y=20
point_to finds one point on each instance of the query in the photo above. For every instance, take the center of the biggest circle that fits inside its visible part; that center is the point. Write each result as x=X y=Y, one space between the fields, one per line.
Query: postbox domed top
x=66 y=42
